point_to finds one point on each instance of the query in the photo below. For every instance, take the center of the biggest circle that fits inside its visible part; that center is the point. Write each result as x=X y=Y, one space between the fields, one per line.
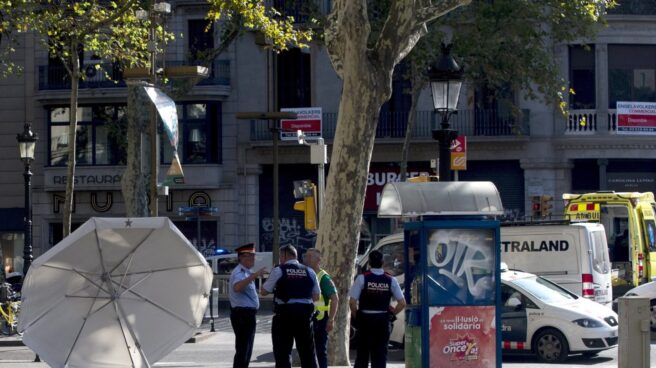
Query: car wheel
x=550 y=346
x=652 y=305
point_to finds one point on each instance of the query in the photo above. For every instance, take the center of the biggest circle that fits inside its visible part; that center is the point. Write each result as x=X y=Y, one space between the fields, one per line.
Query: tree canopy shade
x=107 y=30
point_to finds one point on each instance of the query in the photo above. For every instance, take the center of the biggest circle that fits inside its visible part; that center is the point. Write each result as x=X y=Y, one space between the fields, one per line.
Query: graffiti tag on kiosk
x=466 y=259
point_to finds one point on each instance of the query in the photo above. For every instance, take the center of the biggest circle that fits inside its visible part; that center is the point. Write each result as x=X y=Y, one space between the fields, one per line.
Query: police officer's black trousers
x=373 y=336
x=243 y=323
x=293 y=322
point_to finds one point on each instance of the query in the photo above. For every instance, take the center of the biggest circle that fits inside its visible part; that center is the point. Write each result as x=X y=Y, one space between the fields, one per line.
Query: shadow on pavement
x=578 y=359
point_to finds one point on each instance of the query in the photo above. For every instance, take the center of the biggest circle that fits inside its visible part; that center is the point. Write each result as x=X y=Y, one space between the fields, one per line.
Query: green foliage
x=9 y=26
x=279 y=31
x=108 y=29
x=509 y=44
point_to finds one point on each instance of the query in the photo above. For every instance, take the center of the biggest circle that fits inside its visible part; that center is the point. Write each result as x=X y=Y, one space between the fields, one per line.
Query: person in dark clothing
x=369 y=302
x=621 y=247
x=295 y=289
x=244 y=304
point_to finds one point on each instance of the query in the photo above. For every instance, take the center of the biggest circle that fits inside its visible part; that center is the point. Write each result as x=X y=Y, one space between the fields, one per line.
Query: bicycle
x=9 y=310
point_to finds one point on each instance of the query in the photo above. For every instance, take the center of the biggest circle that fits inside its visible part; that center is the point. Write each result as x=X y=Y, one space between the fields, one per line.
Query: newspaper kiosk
x=452 y=271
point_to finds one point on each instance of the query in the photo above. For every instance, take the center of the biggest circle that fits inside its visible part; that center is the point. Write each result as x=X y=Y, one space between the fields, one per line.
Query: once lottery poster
x=462 y=337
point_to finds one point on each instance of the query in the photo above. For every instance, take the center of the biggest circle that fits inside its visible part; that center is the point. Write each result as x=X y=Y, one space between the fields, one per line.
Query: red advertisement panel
x=636 y=118
x=462 y=337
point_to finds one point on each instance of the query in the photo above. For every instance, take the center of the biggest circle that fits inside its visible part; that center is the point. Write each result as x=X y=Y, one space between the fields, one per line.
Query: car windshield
x=544 y=290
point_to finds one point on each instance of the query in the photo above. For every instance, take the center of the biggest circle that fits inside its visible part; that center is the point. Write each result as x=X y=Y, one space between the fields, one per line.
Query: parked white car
x=647 y=290
x=541 y=317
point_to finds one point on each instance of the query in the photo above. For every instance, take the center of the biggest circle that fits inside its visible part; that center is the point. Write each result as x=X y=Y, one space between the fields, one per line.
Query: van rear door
x=600 y=266
x=649 y=228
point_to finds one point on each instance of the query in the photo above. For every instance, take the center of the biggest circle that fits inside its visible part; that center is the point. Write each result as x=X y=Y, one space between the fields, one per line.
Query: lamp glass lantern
x=445 y=79
x=26 y=144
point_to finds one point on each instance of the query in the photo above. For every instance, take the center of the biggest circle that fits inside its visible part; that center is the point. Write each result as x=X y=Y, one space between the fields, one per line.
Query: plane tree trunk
x=366 y=73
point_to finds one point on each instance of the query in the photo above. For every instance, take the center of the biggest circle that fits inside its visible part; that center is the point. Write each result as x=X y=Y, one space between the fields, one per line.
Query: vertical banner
x=459 y=153
x=167 y=111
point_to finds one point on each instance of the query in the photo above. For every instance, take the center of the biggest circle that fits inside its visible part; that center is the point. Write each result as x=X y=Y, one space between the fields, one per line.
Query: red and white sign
x=459 y=153
x=636 y=118
x=308 y=120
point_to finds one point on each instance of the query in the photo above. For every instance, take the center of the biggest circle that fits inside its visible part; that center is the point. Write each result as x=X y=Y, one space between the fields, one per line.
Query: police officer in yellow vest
x=325 y=307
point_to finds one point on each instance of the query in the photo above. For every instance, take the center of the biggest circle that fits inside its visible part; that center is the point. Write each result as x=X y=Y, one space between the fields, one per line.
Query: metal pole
x=275 y=130
x=27 y=241
x=322 y=186
x=444 y=137
x=154 y=158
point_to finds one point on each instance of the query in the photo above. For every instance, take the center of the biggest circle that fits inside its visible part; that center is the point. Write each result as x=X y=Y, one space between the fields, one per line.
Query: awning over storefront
x=403 y=199
x=12 y=219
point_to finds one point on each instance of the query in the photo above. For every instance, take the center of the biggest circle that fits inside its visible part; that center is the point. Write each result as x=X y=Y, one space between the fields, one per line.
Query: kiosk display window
x=461 y=267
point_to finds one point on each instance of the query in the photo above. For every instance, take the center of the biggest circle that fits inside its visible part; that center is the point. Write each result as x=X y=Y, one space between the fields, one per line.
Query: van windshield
x=545 y=290
x=600 y=261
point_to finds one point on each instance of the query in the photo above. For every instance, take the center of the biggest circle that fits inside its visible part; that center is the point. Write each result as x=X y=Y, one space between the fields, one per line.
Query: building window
x=582 y=76
x=199 y=134
x=11 y=251
x=294 y=79
x=631 y=73
x=102 y=135
x=201 y=38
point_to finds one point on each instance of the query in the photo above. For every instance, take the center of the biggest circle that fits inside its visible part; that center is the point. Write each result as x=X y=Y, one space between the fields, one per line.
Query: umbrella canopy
x=117 y=292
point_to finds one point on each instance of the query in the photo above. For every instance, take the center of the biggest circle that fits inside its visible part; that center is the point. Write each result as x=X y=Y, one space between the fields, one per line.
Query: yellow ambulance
x=628 y=218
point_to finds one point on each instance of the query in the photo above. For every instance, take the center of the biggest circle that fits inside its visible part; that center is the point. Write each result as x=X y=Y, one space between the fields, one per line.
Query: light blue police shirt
x=246 y=298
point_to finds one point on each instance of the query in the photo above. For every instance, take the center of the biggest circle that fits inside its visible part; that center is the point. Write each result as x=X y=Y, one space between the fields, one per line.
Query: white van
x=574 y=256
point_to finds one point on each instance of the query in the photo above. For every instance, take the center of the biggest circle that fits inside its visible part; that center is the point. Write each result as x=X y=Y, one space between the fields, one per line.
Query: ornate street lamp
x=445 y=79
x=26 y=143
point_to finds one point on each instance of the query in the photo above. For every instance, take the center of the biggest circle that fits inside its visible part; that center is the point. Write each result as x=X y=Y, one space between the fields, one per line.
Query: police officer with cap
x=369 y=302
x=295 y=288
x=244 y=304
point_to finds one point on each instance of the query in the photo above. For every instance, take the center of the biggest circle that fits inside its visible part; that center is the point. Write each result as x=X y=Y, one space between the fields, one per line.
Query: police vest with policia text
x=322 y=306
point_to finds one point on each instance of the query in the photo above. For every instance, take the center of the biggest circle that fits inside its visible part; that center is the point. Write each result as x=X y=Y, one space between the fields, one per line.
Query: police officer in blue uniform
x=369 y=302
x=244 y=304
x=295 y=288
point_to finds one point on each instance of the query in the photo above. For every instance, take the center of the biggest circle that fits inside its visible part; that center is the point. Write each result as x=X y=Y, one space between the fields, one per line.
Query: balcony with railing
x=591 y=122
x=393 y=125
x=110 y=75
x=634 y=7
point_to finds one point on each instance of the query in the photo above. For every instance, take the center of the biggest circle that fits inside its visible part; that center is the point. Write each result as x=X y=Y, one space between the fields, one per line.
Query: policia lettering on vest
x=369 y=302
x=295 y=288
x=325 y=307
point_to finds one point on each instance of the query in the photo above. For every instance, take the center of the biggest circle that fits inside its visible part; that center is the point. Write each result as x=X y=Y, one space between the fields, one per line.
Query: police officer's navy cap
x=246 y=248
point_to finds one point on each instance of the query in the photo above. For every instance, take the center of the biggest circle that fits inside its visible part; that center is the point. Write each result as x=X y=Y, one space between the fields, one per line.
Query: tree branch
x=406 y=24
x=347 y=28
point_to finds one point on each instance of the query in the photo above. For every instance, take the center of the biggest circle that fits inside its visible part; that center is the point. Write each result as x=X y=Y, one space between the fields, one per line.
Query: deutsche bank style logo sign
x=308 y=120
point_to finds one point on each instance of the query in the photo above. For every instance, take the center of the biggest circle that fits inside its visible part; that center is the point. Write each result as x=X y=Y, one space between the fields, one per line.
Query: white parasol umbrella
x=117 y=292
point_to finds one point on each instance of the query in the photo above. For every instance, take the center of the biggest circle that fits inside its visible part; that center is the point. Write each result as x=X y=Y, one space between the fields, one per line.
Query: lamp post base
x=444 y=138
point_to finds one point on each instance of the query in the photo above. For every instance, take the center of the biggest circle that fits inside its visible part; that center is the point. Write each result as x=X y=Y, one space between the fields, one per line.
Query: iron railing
x=110 y=75
x=634 y=7
x=392 y=125
x=590 y=122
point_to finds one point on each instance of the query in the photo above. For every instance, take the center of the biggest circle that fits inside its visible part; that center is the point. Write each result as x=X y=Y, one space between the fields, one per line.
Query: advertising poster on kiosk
x=462 y=337
x=460 y=274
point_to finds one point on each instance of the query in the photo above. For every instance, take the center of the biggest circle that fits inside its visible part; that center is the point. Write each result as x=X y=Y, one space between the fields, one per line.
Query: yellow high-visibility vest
x=322 y=306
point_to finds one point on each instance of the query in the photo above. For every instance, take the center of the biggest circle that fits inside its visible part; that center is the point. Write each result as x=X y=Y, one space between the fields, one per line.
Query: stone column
x=601 y=84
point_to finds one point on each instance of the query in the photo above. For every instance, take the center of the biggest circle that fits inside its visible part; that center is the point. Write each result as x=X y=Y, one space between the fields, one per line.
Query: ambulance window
x=651 y=235
x=600 y=261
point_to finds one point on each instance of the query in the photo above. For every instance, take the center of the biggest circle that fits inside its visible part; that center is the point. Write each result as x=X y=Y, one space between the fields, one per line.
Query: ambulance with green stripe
x=630 y=224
